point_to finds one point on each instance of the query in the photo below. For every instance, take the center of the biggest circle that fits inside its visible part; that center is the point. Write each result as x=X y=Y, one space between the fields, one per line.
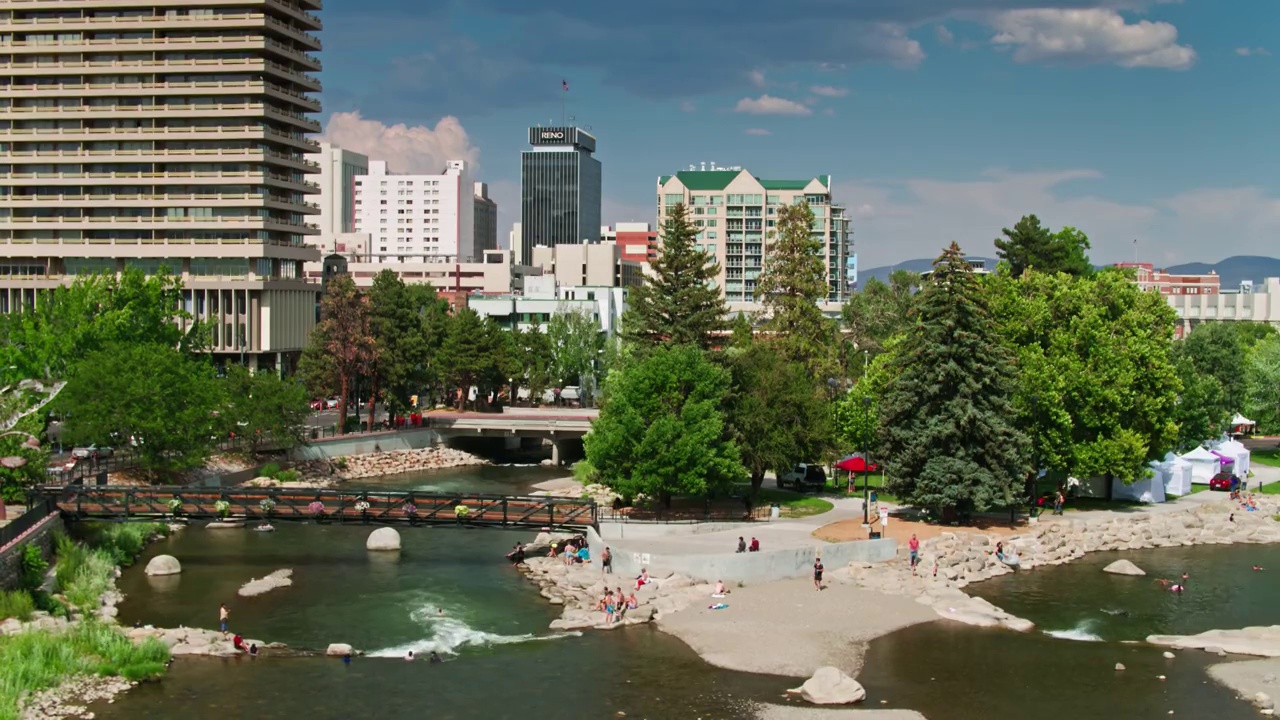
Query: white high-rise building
x=339 y=169
x=164 y=134
x=417 y=218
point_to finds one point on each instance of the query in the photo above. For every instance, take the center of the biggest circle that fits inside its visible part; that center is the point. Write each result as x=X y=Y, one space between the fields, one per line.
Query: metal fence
x=37 y=510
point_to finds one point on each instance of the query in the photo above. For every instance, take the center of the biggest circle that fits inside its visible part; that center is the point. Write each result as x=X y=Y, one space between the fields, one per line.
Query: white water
x=448 y=634
x=1080 y=633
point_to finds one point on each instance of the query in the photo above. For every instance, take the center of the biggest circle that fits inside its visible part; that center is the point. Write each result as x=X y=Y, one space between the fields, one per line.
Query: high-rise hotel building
x=559 y=189
x=169 y=133
x=736 y=214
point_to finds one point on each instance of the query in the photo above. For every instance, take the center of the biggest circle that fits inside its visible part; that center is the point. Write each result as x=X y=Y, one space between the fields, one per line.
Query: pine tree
x=679 y=303
x=794 y=281
x=945 y=418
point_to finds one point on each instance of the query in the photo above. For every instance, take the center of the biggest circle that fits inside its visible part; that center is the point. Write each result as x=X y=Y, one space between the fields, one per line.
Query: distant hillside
x=1232 y=270
x=882 y=273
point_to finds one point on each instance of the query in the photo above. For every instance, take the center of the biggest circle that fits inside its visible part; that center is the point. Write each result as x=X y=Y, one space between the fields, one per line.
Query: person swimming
x=409 y=656
x=435 y=657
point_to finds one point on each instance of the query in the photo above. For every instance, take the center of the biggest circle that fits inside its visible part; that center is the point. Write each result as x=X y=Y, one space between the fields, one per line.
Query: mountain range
x=1232 y=270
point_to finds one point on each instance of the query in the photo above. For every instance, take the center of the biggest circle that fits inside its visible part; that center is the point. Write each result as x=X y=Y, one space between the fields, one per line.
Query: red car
x=1224 y=481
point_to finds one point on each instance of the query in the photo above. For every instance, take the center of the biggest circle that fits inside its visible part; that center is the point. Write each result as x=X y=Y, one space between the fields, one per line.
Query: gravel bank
x=788 y=628
x=801 y=712
x=1250 y=677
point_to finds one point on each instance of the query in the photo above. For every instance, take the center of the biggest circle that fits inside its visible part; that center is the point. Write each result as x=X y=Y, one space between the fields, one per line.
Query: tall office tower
x=736 y=217
x=418 y=218
x=559 y=189
x=486 y=219
x=173 y=134
x=339 y=169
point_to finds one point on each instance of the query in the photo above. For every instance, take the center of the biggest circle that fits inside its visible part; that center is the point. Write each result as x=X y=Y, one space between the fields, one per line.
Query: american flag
x=565 y=85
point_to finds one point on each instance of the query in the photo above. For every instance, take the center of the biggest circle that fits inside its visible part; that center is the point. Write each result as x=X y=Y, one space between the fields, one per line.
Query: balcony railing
x=252 y=130
x=210 y=64
x=175 y=43
x=117 y=198
x=122 y=22
x=157 y=220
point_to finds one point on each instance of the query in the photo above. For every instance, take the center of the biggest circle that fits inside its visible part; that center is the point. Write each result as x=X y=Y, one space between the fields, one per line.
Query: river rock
x=1119 y=667
x=339 y=650
x=1263 y=701
x=164 y=565
x=1168 y=655
x=277 y=579
x=830 y=686
x=383 y=538
x=224 y=525
x=1123 y=567
x=1259 y=641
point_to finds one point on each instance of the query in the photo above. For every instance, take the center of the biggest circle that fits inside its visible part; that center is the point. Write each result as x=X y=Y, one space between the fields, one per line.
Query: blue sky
x=939 y=120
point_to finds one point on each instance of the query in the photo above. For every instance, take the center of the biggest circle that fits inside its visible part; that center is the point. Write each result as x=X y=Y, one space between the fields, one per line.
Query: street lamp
x=866 y=466
x=1035 y=456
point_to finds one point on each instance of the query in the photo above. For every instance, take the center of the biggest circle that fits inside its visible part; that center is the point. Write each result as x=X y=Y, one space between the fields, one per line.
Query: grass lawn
x=1272 y=489
x=874 y=482
x=1269 y=457
x=791 y=504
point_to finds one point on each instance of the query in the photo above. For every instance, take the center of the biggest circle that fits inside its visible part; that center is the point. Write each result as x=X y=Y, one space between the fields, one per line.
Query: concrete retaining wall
x=11 y=554
x=630 y=557
x=415 y=439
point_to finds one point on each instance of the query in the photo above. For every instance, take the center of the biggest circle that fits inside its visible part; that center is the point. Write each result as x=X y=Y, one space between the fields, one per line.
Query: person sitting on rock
x=1000 y=551
x=755 y=545
x=237 y=642
x=720 y=590
x=643 y=578
x=742 y=545
x=253 y=650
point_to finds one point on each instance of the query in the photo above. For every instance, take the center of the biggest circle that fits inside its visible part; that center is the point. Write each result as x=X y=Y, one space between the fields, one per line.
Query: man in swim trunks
x=817 y=573
x=914 y=546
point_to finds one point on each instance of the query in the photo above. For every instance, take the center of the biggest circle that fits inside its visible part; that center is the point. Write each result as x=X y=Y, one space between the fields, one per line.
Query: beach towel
x=717 y=606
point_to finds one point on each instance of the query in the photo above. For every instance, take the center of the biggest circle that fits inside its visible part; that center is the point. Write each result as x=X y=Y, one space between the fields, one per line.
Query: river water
x=501 y=662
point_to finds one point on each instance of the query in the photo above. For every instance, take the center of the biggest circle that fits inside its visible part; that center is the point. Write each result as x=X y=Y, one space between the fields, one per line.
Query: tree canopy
x=407 y=324
x=264 y=409
x=576 y=345
x=792 y=284
x=661 y=430
x=946 y=432
x=1031 y=245
x=1263 y=383
x=341 y=348
x=679 y=302
x=878 y=312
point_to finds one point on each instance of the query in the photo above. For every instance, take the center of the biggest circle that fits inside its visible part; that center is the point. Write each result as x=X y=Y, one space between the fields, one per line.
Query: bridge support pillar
x=556 y=454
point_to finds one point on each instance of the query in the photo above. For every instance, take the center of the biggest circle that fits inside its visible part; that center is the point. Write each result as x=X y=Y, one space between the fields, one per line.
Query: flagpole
x=564 y=102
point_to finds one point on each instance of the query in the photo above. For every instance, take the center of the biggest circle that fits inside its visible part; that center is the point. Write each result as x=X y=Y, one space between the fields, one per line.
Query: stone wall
x=362 y=444
x=11 y=554
x=629 y=557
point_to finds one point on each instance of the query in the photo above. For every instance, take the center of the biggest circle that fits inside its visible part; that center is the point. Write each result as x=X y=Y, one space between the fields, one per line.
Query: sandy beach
x=788 y=628
x=1250 y=677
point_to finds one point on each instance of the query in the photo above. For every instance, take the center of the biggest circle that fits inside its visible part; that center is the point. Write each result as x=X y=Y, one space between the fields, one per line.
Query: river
x=501 y=662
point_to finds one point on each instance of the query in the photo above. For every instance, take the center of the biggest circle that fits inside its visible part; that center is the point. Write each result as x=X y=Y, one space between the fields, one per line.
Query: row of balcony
x=124 y=23
x=204 y=177
x=122 y=134
x=161 y=66
x=172 y=44
x=161 y=200
x=17 y=157
x=160 y=111
x=149 y=89
x=207 y=222
x=65 y=5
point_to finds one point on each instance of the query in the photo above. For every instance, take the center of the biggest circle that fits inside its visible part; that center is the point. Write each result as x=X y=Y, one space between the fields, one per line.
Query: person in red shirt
x=237 y=642
x=755 y=546
x=914 y=546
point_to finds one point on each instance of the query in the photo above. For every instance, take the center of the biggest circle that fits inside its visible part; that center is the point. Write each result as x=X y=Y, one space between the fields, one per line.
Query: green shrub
x=288 y=476
x=16 y=604
x=31 y=662
x=269 y=470
x=34 y=566
x=123 y=541
x=340 y=463
x=585 y=473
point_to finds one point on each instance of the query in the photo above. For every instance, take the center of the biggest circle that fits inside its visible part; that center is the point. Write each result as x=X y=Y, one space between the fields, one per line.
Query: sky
x=1151 y=125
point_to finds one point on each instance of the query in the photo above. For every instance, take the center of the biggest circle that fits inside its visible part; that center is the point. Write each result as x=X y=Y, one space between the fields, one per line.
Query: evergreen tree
x=467 y=356
x=794 y=281
x=1031 y=245
x=679 y=303
x=946 y=433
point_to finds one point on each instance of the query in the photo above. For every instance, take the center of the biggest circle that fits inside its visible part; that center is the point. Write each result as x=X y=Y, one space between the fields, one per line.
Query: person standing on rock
x=606 y=561
x=223 y=614
x=914 y=546
x=817 y=573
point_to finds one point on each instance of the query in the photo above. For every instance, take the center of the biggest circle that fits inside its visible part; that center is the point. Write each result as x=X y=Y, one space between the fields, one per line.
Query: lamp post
x=1035 y=456
x=866 y=467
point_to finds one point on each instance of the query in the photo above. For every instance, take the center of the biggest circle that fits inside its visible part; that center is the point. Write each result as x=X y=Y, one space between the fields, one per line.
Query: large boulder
x=384 y=538
x=277 y=579
x=339 y=650
x=1123 y=567
x=830 y=686
x=164 y=565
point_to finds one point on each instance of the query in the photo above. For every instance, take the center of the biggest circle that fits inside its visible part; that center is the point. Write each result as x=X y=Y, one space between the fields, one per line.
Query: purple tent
x=1223 y=459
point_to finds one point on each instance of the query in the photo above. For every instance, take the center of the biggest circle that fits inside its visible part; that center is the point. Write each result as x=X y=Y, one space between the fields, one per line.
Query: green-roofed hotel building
x=736 y=213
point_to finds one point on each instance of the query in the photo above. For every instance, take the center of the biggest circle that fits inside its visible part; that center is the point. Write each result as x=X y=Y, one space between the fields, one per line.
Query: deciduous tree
x=679 y=303
x=1031 y=245
x=946 y=419
x=876 y=313
x=262 y=408
x=341 y=348
x=662 y=430
x=576 y=345
x=1263 y=383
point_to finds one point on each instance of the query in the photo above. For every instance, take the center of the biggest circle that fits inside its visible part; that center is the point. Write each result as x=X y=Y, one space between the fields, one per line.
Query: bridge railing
x=341 y=506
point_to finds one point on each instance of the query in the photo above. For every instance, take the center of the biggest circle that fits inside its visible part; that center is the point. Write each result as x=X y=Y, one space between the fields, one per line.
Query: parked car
x=803 y=476
x=317 y=405
x=332 y=403
x=1224 y=481
x=92 y=451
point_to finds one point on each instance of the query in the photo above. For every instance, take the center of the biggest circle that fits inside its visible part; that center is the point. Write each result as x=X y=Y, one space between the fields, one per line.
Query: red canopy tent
x=855 y=463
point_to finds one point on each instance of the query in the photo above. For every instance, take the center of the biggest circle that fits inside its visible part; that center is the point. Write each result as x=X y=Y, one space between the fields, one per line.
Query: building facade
x=1149 y=278
x=486 y=223
x=165 y=134
x=559 y=189
x=638 y=241
x=595 y=264
x=339 y=169
x=543 y=298
x=736 y=215
x=1250 y=303
x=493 y=273
x=417 y=218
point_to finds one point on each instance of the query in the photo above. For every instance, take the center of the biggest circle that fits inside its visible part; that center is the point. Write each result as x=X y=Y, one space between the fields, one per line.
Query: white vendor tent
x=1204 y=465
x=1242 y=424
x=1236 y=450
x=1176 y=473
x=1147 y=490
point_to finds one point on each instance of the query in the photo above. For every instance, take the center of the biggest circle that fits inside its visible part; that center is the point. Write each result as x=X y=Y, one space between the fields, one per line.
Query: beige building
x=736 y=213
x=1250 y=303
x=166 y=133
x=594 y=264
x=492 y=274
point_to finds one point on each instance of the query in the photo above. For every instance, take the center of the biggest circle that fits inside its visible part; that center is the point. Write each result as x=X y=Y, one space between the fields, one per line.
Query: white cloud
x=1090 y=37
x=829 y=91
x=770 y=105
x=1247 y=51
x=943 y=35
x=688 y=106
x=757 y=131
x=757 y=78
x=411 y=149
